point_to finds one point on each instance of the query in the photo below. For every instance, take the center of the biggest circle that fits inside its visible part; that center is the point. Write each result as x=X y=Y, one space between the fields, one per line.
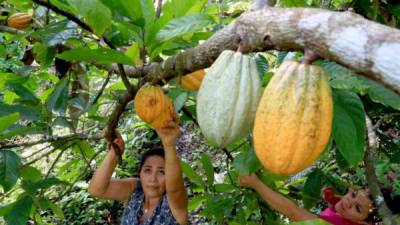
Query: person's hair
x=391 y=202
x=152 y=152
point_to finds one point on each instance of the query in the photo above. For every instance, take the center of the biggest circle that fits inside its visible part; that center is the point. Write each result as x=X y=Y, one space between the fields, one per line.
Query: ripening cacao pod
x=228 y=98
x=192 y=81
x=19 y=20
x=152 y=106
x=294 y=118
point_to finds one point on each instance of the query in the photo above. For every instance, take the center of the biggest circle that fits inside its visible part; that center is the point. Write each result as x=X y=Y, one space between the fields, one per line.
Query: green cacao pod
x=228 y=97
x=294 y=118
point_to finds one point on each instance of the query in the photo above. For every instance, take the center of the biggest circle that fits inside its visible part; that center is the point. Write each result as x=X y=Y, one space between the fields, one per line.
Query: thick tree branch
x=373 y=186
x=364 y=46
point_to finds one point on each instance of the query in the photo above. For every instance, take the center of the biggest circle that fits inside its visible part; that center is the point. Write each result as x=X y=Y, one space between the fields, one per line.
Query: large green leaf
x=9 y=169
x=380 y=94
x=7 y=121
x=97 y=15
x=311 y=191
x=183 y=25
x=29 y=173
x=178 y=8
x=44 y=54
x=349 y=125
x=191 y=174
x=247 y=162
x=23 y=92
x=100 y=55
x=58 y=100
x=20 y=212
x=25 y=113
x=33 y=187
x=208 y=167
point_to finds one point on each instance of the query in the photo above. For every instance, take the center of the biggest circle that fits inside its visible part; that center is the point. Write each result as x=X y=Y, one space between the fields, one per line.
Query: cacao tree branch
x=52 y=139
x=373 y=185
x=85 y=26
x=10 y=30
x=158 y=11
x=349 y=39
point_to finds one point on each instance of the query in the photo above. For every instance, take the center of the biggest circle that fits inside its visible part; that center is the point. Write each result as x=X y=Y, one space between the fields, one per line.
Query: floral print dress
x=162 y=214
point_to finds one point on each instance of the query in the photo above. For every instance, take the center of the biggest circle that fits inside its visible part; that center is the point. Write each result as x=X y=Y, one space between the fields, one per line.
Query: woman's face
x=354 y=206
x=152 y=176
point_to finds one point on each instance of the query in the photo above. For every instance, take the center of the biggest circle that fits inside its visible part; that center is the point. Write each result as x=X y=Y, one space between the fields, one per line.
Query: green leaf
x=312 y=222
x=262 y=65
x=191 y=174
x=9 y=169
x=44 y=54
x=183 y=25
x=7 y=121
x=312 y=188
x=97 y=15
x=100 y=55
x=349 y=125
x=33 y=187
x=25 y=113
x=208 y=167
x=83 y=148
x=58 y=100
x=29 y=173
x=23 y=130
x=45 y=204
x=180 y=100
x=20 y=212
x=23 y=92
x=179 y=8
x=225 y=188
x=247 y=162
x=133 y=53
x=380 y=94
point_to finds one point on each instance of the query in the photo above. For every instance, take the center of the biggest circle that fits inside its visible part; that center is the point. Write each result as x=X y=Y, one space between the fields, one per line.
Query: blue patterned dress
x=162 y=214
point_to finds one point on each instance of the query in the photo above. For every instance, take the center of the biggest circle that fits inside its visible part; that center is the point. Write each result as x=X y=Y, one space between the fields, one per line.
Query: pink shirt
x=332 y=217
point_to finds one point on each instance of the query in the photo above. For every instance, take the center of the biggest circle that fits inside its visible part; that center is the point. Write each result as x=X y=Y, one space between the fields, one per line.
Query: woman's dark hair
x=152 y=152
x=391 y=202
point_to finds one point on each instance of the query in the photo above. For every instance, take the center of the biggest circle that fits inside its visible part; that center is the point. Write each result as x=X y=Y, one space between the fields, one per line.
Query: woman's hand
x=249 y=181
x=169 y=133
x=118 y=140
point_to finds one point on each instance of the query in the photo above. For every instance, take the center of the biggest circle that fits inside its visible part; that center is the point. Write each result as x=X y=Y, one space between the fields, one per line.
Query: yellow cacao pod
x=166 y=115
x=19 y=20
x=294 y=118
x=152 y=106
x=192 y=81
x=228 y=98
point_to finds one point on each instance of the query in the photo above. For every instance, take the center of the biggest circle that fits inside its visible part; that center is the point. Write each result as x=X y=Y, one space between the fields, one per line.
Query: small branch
x=67 y=14
x=103 y=87
x=190 y=115
x=52 y=139
x=158 y=11
x=10 y=30
x=373 y=186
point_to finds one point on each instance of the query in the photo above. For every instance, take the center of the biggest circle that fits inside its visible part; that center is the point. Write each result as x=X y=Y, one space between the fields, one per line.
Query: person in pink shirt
x=353 y=208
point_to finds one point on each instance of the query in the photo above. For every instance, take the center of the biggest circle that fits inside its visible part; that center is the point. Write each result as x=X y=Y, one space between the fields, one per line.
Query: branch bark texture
x=349 y=39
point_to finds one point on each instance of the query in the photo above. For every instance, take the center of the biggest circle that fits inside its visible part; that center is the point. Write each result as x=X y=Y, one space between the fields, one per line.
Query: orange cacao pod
x=19 y=20
x=152 y=106
x=192 y=81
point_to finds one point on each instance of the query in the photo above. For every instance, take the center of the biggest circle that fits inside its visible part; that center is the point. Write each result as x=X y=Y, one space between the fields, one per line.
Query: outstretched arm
x=176 y=192
x=276 y=200
x=102 y=186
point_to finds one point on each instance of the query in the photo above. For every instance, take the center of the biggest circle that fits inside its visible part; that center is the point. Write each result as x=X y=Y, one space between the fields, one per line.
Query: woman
x=158 y=196
x=353 y=208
